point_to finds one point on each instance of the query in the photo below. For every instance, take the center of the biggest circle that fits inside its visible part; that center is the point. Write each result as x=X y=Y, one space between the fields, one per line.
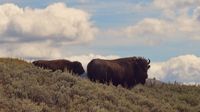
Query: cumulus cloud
x=37 y=50
x=181 y=69
x=150 y=27
x=164 y=29
x=85 y=59
x=181 y=21
x=56 y=22
x=174 y=4
x=196 y=14
x=30 y=50
x=35 y=33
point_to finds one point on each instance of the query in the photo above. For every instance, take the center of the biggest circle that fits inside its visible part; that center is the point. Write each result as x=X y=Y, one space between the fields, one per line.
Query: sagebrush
x=26 y=88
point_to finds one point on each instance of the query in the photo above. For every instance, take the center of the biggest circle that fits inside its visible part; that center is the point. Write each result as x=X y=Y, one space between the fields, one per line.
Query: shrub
x=26 y=88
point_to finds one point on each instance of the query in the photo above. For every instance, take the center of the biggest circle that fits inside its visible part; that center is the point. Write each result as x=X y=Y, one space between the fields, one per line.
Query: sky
x=167 y=32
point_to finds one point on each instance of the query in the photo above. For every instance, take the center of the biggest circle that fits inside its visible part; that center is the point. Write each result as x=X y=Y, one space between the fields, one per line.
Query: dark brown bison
x=75 y=67
x=125 y=71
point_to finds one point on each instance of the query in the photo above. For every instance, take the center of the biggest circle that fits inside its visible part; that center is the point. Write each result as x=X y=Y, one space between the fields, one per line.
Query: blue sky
x=116 y=15
x=161 y=30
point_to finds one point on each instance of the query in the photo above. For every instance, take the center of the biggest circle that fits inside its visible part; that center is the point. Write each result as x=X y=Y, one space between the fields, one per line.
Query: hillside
x=26 y=88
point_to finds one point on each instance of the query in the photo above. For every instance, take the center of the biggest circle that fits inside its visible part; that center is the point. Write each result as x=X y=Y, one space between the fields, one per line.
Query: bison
x=75 y=67
x=125 y=71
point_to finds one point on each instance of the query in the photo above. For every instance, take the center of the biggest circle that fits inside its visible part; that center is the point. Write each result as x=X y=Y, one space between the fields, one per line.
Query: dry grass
x=26 y=88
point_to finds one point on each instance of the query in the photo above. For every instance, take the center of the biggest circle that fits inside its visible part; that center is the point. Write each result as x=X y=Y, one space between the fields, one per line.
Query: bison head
x=77 y=68
x=36 y=63
x=141 y=69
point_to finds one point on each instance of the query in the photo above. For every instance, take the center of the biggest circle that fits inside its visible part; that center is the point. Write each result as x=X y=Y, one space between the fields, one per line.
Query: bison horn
x=149 y=61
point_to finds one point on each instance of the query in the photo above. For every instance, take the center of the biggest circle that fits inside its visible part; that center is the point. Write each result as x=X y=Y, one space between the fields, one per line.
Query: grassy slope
x=26 y=88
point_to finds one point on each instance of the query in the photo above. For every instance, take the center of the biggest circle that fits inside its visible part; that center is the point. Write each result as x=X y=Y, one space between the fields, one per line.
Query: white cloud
x=181 y=21
x=42 y=33
x=150 y=27
x=37 y=50
x=30 y=51
x=164 y=29
x=56 y=22
x=184 y=68
x=175 y=4
x=196 y=13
